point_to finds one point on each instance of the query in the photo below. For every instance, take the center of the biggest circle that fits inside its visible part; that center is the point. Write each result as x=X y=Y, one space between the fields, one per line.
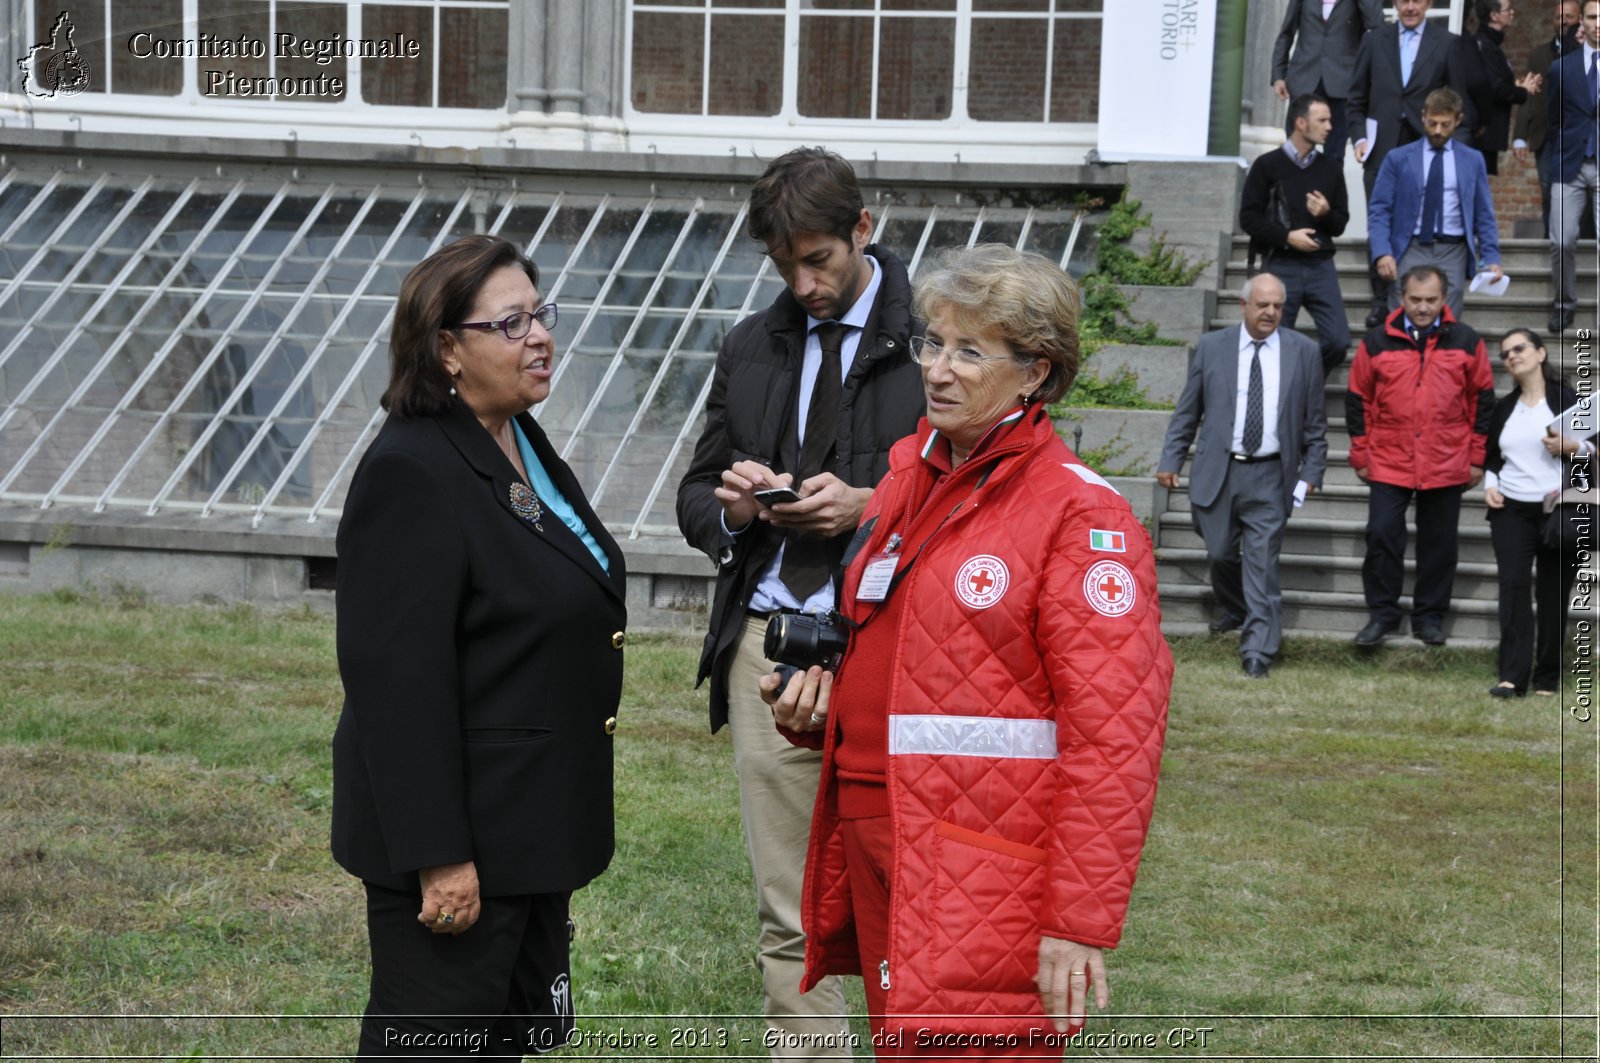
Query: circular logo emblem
x=66 y=74
x=982 y=581
x=1108 y=586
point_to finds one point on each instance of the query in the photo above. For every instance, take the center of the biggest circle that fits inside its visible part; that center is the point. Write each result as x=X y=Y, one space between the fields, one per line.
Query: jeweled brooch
x=526 y=504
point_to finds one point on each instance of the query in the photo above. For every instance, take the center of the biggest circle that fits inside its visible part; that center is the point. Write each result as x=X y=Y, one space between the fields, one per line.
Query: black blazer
x=1494 y=92
x=1377 y=92
x=482 y=660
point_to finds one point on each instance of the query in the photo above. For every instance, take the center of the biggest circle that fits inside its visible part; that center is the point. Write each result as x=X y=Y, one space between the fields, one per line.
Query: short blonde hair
x=1026 y=299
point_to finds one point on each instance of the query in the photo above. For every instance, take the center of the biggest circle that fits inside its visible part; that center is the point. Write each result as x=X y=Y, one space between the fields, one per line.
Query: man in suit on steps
x=1396 y=67
x=1254 y=397
x=1325 y=35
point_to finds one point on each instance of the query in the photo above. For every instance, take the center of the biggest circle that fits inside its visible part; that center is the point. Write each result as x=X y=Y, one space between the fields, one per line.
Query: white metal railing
x=105 y=408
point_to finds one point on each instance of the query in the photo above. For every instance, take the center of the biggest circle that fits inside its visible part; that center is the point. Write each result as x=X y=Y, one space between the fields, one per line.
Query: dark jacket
x=1570 y=109
x=1560 y=399
x=753 y=397
x=1325 y=54
x=1377 y=92
x=1493 y=91
x=1418 y=416
x=481 y=659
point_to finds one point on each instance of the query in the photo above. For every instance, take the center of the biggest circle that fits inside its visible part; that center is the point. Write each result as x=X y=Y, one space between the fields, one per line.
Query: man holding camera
x=810 y=394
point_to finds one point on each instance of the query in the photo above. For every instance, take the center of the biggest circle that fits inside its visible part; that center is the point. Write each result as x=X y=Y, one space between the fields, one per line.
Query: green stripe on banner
x=1227 y=78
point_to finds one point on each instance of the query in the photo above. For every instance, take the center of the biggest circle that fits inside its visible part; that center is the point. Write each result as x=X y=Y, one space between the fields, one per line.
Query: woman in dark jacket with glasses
x=480 y=630
x=1524 y=466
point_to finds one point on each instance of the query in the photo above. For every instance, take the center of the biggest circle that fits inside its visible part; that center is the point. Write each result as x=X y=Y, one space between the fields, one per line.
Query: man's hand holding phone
x=737 y=493
x=828 y=506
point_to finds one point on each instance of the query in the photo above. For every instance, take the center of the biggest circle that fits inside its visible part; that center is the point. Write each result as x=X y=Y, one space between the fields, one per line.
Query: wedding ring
x=815 y=719
x=1079 y=974
x=446 y=918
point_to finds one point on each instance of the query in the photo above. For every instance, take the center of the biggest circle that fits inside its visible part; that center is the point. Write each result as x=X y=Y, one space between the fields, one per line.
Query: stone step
x=1335 y=501
x=1323 y=537
x=1315 y=572
x=1187 y=608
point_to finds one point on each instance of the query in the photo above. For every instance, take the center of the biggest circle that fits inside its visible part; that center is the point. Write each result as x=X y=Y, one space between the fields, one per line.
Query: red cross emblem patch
x=1109 y=588
x=982 y=581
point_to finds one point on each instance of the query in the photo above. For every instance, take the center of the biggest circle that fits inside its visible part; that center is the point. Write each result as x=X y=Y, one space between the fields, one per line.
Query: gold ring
x=446 y=918
x=1078 y=974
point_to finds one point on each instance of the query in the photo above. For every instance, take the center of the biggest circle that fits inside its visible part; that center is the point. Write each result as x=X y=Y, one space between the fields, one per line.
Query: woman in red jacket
x=994 y=734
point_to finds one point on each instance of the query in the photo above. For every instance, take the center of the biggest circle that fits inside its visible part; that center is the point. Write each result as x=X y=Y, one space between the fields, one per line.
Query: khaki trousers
x=777 y=789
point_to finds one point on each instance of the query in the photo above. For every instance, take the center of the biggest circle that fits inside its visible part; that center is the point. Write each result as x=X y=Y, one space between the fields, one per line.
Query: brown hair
x=804 y=190
x=436 y=295
x=1442 y=101
x=1025 y=298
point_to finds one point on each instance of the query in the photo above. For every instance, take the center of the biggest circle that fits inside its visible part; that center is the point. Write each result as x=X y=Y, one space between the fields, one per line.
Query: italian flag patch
x=1110 y=542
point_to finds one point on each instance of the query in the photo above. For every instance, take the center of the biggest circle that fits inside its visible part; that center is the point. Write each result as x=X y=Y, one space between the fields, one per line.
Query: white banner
x=1155 y=78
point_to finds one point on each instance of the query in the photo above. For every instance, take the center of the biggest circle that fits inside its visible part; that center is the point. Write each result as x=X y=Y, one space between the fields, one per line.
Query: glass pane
x=1075 y=71
x=306 y=72
x=841 y=5
x=747 y=55
x=1010 y=5
x=916 y=66
x=232 y=20
x=401 y=82
x=141 y=29
x=1007 y=76
x=472 y=58
x=56 y=68
x=668 y=58
x=833 y=54
x=919 y=5
x=1083 y=5
x=588 y=272
x=749 y=3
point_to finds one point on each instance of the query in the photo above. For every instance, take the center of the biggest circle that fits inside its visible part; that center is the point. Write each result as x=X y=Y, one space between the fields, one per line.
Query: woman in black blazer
x=1524 y=465
x=480 y=631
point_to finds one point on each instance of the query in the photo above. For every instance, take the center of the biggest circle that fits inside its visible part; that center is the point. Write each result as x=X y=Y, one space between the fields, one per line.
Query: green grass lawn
x=1364 y=857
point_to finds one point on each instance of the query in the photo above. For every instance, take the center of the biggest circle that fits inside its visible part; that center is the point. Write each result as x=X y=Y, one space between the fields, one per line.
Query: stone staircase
x=1325 y=540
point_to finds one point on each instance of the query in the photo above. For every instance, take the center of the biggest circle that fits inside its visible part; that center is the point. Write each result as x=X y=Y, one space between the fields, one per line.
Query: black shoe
x=1559 y=319
x=1225 y=623
x=1374 y=633
x=1255 y=667
x=1504 y=692
x=1428 y=634
x=1375 y=316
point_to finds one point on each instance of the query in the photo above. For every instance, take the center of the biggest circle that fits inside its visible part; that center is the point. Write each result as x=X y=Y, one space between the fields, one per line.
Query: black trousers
x=1383 y=571
x=502 y=988
x=1533 y=577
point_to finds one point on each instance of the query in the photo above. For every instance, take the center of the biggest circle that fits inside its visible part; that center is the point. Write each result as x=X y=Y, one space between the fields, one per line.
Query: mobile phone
x=771 y=496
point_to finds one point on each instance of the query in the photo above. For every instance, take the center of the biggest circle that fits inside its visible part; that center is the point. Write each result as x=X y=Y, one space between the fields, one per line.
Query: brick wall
x=1516 y=187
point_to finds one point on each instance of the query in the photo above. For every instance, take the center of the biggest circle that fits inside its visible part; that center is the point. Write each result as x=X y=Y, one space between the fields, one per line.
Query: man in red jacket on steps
x=1418 y=406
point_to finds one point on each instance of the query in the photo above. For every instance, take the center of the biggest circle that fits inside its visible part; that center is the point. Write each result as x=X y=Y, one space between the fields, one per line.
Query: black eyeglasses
x=515 y=326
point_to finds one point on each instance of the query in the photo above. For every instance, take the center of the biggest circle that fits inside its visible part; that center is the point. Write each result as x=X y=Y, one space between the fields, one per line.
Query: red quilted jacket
x=1418 y=417
x=1027 y=712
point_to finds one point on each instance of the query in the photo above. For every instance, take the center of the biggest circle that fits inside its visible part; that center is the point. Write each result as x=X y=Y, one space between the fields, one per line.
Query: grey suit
x=1325 y=55
x=1241 y=509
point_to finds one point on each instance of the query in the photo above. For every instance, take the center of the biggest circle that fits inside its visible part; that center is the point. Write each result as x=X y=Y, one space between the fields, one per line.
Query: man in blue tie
x=1574 y=82
x=1431 y=206
x=1397 y=66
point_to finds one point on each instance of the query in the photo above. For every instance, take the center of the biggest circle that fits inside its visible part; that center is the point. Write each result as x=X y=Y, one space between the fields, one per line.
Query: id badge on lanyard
x=878 y=576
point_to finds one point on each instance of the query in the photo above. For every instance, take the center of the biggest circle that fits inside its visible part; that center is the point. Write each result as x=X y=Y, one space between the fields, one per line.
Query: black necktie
x=1255 y=402
x=805 y=568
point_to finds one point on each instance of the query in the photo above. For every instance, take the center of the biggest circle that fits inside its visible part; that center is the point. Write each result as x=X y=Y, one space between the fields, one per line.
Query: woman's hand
x=802 y=705
x=1066 y=971
x=449 y=898
x=1558 y=445
x=1493 y=498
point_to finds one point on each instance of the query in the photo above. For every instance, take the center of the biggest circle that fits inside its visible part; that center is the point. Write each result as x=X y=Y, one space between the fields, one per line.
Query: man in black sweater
x=1294 y=204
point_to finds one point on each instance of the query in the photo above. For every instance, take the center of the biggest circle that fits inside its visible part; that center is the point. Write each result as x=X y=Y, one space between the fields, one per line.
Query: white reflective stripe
x=973 y=736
